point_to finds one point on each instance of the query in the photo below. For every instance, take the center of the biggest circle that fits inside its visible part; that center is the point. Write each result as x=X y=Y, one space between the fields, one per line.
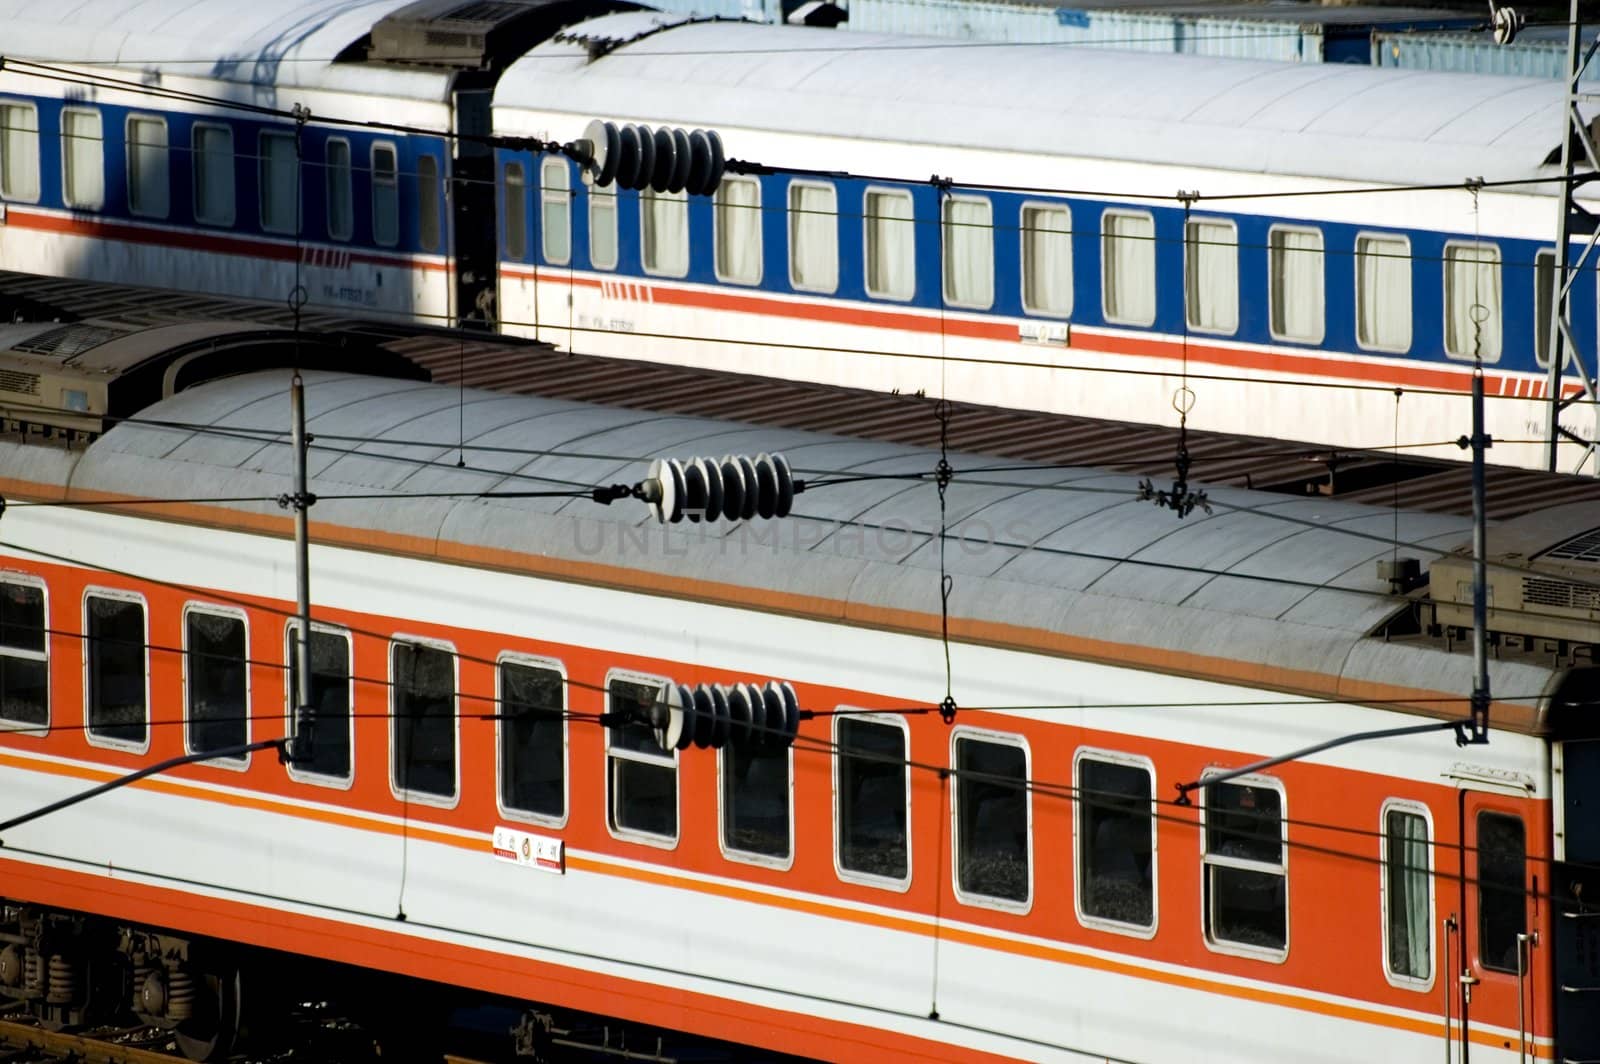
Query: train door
x=1497 y=956
x=1575 y=898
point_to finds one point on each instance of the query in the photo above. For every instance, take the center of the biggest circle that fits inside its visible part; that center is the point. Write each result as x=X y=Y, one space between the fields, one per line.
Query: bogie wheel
x=211 y=1030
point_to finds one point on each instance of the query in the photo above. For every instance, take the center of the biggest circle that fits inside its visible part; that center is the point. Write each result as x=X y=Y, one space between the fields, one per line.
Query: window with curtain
x=1472 y=301
x=423 y=727
x=280 y=183
x=213 y=175
x=1116 y=842
x=1211 y=275
x=555 y=211
x=24 y=655
x=19 y=151
x=341 y=208
x=993 y=847
x=117 y=667
x=602 y=228
x=148 y=181
x=330 y=699
x=1544 y=295
x=813 y=237
x=1383 y=293
x=737 y=206
x=1408 y=894
x=891 y=245
x=642 y=778
x=1128 y=251
x=516 y=211
x=664 y=222
x=533 y=739
x=385 y=196
x=1295 y=277
x=83 y=166
x=968 y=237
x=216 y=690
x=1246 y=881
x=1047 y=260
x=428 y=228
x=872 y=798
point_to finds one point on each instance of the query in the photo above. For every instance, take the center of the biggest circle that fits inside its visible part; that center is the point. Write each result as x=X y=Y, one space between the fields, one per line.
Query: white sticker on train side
x=530 y=851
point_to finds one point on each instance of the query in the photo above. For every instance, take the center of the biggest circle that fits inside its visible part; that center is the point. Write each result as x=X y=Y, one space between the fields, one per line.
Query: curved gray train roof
x=1325 y=120
x=1277 y=584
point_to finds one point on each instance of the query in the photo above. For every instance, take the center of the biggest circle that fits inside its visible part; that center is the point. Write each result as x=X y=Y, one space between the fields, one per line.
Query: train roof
x=1267 y=591
x=1336 y=121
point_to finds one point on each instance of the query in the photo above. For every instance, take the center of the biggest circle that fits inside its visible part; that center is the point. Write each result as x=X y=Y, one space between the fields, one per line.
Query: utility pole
x=301 y=727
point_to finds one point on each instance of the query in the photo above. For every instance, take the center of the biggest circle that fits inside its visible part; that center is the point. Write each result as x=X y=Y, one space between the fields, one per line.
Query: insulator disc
x=785 y=486
x=705 y=717
x=719 y=706
x=772 y=738
x=627 y=168
x=733 y=488
x=738 y=714
x=766 y=486
x=694 y=489
x=602 y=137
x=680 y=172
x=684 y=701
x=647 y=157
x=660 y=508
x=717 y=161
x=713 y=487
x=791 y=713
x=666 y=163
x=670 y=731
x=699 y=163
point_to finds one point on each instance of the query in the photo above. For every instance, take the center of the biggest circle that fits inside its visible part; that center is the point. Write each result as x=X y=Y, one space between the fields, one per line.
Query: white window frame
x=899 y=885
x=117 y=594
x=1500 y=289
x=11 y=195
x=790 y=227
x=195 y=155
x=1022 y=258
x=1107 y=242
x=644 y=838
x=406 y=794
x=593 y=196
x=128 y=148
x=66 y=159
x=1239 y=949
x=1378 y=234
x=717 y=207
x=867 y=243
x=237 y=764
x=431 y=191
x=332 y=173
x=1188 y=245
x=646 y=197
x=510 y=812
x=1543 y=361
x=554 y=197
x=302 y=775
x=1322 y=294
x=782 y=864
x=946 y=229
x=263 y=168
x=6 y=724
x=1102 y=923
x=1398 y=805
x=515 y=237
x=392 y=180
x=989 y=901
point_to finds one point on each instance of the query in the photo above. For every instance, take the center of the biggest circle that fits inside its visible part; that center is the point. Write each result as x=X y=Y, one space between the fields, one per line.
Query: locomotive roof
x=1285 y=589
x=1325 y=120
x=288 y=43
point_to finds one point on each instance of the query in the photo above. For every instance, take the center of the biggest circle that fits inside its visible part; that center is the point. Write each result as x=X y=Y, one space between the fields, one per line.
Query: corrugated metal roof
x=1537 y=52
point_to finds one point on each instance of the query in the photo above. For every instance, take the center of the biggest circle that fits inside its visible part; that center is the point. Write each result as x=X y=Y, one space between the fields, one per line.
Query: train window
x=422 y=719
x=516 y=185
x=428 y=202
x=1472 y=301
x=83 y=165
x=330 y=700
x=872 y=800
x=738 y=230
x=533 y=739
x=641 y=778
x=1544 y=294
x=147 y=167
x=555 y=211
x=813 y=237
x=664 y=222
x=1246 y=902
x=891 y=245
x=1211 y=275
x=1128 y=254
x=1116 y=837
x=1294 y=278
x=213 y=174
x=114 y=651
x=602 y=228
x=19 y=151
x=1502 y=889
x=24 y=655
x=341 y=209
x=1047 y=260
x=280 y=183
x=968 y=237
x=215 y=679
x=992 y=825
x=385 y=196
x=1383 y=293
x=757 y=795
x=1407 y=894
